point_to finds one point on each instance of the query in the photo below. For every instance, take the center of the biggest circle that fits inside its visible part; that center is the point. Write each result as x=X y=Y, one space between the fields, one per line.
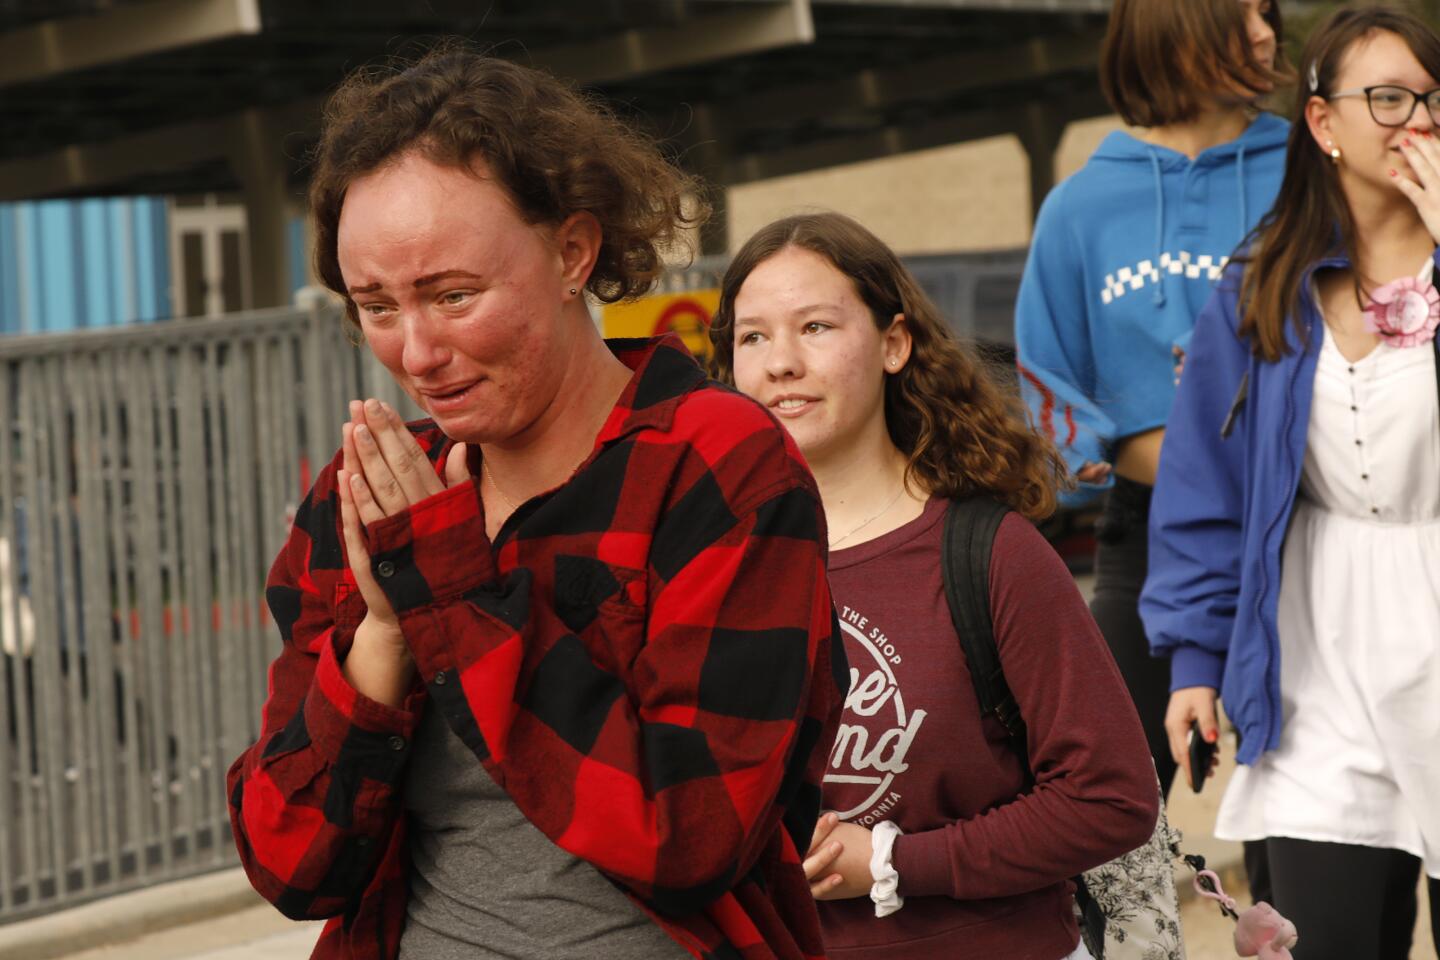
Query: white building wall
x=961 y=198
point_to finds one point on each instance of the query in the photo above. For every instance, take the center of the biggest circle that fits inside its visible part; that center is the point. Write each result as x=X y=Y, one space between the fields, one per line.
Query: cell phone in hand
x=1202 y=751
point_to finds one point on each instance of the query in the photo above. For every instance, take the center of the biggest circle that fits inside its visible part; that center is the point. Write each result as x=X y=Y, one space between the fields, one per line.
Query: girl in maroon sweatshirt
x=937 y=846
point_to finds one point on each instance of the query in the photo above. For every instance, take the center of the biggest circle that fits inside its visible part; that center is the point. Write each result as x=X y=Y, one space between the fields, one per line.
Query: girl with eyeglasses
x=1295 y=532
x=1125 y=254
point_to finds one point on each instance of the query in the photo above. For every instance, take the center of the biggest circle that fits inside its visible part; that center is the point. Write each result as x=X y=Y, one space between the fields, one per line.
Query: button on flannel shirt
x=645 y=660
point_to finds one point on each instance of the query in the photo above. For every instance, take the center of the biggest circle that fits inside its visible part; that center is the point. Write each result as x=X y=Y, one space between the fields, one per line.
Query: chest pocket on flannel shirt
x=348 y=607
x=588 y=590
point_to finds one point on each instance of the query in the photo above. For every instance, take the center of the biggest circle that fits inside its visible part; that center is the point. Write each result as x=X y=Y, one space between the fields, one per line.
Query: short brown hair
x=556 y=151
x=961 y=430
x=1164 y=60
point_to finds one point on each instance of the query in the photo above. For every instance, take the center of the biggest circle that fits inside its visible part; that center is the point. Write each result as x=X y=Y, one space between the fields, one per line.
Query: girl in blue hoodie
x=1125 y=254
x=1295 y=533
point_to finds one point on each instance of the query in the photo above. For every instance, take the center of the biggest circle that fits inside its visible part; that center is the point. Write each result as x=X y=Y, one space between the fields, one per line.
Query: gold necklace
x=855 y=530
x=485 y=466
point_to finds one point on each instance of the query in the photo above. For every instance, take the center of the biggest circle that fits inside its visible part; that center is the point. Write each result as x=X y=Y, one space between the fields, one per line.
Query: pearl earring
x=1334 y=151
x=573 y=291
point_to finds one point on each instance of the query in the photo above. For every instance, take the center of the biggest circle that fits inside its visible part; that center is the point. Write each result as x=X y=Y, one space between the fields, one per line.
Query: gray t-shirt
x=486 y=883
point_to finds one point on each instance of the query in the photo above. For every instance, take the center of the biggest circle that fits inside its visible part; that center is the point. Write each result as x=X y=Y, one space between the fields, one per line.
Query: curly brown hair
x=556 y=151
x=961 y=431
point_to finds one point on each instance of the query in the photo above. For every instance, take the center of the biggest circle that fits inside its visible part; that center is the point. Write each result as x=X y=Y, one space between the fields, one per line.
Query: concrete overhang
x=744 y=88
x=119 y=33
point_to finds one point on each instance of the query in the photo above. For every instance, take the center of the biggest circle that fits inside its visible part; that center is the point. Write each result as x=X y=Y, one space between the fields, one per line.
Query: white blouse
x=1359 y=620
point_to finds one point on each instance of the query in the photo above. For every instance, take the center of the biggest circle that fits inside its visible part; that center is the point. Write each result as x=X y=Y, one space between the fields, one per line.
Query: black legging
x=1348 y=901
x=1120 y=563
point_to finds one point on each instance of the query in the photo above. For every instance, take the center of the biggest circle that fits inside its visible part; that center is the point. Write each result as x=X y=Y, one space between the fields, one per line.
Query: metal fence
x=147 y=476
x=145 y=479
x=974 y=292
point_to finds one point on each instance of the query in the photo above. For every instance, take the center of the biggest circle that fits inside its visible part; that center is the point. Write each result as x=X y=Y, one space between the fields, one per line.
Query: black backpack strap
x=970 y=527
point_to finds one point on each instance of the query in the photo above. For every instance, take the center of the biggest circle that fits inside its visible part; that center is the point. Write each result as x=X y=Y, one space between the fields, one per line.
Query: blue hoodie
x=1126 y=252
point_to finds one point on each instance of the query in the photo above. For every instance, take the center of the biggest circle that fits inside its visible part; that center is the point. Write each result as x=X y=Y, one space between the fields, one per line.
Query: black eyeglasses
x=1392 y=106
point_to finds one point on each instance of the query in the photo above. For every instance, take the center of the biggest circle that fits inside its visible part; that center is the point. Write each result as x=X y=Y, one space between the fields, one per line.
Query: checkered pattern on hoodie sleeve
x=645 y=660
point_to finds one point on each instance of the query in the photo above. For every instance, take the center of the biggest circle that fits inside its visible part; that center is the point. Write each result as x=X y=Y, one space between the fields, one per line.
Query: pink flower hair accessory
x=1404 y=312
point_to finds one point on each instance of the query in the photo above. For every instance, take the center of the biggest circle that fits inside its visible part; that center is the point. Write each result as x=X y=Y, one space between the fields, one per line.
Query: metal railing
x=146 y=475
x=974 y=292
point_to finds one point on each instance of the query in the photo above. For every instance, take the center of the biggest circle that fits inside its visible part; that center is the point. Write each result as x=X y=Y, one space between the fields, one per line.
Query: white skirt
x=1359 y=754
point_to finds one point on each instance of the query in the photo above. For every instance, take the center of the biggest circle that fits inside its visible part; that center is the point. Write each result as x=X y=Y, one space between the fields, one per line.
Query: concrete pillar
x=1041 y=127
x=715 y=234
x=703 y=157
x=263 y=172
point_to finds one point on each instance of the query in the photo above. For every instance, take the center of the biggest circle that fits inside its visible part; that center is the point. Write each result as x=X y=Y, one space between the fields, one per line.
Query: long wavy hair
x=1311 y=217
x=961 y=431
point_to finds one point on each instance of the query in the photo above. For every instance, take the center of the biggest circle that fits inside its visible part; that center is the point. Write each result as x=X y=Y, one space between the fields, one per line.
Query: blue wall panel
x=69 y=264
x=142 y=244
x=155 y=267
x=97 y=309
x=29 y=266
x=119 y=268
x=61 y=267
x=297 y=253
x=9 y=271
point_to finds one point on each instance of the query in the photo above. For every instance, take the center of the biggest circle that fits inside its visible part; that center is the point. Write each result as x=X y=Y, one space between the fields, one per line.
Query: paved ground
x=256 y=933
x=1207 y=932
x=260 y=933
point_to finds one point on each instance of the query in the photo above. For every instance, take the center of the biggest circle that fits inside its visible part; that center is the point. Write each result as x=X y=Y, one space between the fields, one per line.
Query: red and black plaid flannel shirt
x=645 y=659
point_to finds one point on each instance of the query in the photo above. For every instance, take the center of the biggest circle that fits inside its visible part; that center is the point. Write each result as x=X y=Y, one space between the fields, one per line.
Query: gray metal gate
x=145 y=479
x=974 y=292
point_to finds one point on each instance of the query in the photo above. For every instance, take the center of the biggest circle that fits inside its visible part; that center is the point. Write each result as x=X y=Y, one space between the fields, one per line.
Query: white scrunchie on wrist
x=886 y=889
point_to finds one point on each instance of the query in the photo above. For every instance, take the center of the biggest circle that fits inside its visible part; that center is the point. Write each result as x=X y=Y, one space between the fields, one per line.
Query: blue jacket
x=1229 y=471
x=1126 y=252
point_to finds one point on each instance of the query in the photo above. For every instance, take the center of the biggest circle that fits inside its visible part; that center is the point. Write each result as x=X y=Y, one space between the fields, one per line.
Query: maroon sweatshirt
x=982 y=866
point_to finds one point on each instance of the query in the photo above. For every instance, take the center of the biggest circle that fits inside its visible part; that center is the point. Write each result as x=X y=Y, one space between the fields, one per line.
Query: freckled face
x=807 y=347
x=457 y=295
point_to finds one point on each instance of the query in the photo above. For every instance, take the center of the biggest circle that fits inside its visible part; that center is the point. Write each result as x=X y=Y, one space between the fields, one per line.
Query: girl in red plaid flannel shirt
x=555 y=661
